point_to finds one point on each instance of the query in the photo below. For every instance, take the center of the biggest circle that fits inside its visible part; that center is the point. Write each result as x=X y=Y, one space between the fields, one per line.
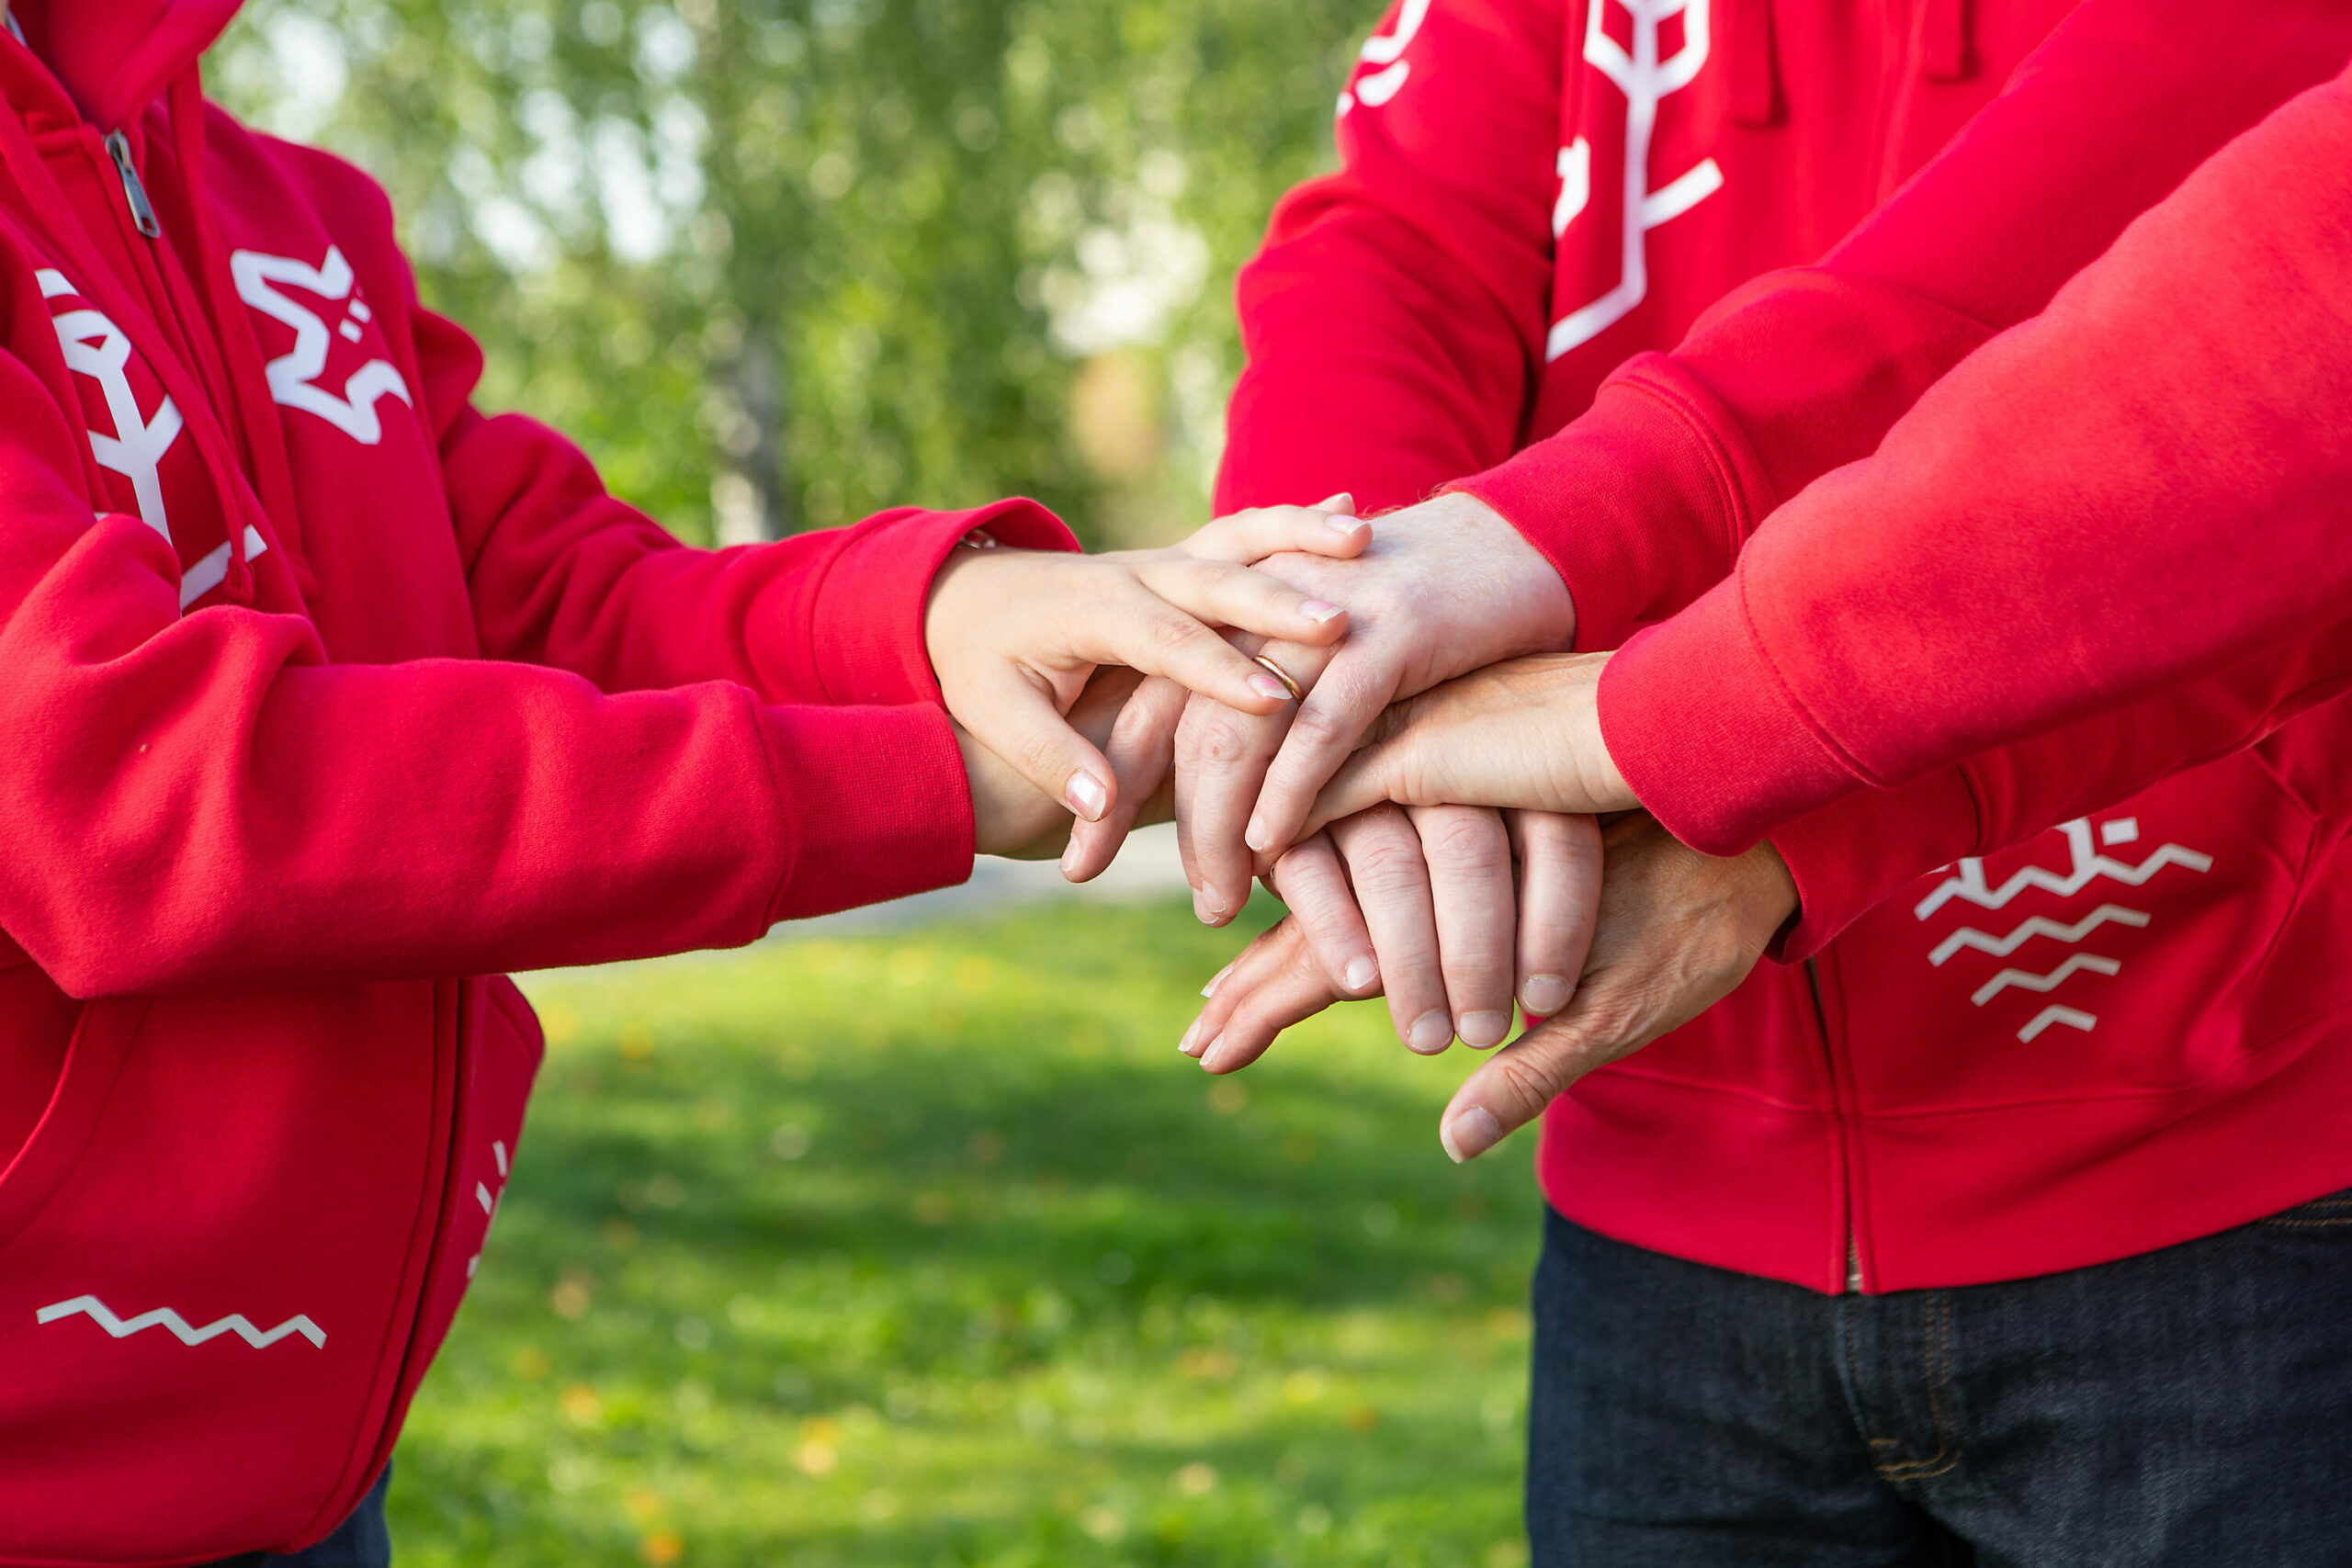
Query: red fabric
x=1904 y=1125
x=273 y=814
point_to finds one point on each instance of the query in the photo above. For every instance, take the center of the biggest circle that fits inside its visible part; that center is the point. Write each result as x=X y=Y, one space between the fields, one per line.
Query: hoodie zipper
x=134 y=192
x=1830 y=1058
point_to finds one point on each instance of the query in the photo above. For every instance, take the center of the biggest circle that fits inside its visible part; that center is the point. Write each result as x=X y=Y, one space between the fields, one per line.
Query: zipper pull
x=143 y=211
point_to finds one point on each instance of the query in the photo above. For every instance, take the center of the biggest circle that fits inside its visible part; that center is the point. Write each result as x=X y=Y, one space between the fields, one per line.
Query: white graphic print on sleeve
x=1968 y=884
x=293 y=376
x=489 y=1202
x=236 y=1323
x=1388 y=52
x=96 y=348
x=1644 y=79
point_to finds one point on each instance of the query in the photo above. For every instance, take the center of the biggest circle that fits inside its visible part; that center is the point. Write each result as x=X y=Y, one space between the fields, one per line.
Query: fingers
x=1392 y=886
x=1329 y=528
x=1221 y=756
x=1522 y=733
x=1468 y=856
x=1344 y=702
x=1559 y=899
x=1516 y=1083
x=1019 y=718
x=1141 y=746
x=1310 y=879
x=1275 y=983
x=1224 y=594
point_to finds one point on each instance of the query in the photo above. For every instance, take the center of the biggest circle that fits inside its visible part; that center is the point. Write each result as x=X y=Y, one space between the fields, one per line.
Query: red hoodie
x=2056 y=1051
x=348 y=693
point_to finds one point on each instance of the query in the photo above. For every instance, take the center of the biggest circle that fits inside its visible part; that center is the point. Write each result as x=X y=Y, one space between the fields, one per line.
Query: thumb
x=1019 y=719
x=1516 y=1083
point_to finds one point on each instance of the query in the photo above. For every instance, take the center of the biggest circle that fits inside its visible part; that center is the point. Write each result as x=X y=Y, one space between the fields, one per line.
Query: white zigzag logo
x=236 y=1323
x=2045 y=983
x=2088 y=865
x=2050 y=1015
x=2039 y=925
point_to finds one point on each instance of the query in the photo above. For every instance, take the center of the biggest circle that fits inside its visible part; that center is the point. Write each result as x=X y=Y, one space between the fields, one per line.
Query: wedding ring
x=1279 y=673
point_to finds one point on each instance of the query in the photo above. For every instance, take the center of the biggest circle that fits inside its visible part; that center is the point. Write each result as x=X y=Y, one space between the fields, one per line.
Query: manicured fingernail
x=1209 y=1050
x=1470 y=1134
x=1185 y=1044
x=1216 y=980
x=1318 y=612
x=1265 y=685
x=1344 y=523
x=1206 y=908
x=1257 y=837
x=1431 y=1033
x=1484 y=1028
x=1544 y=995
x=1086 y=795
x=1362 y=973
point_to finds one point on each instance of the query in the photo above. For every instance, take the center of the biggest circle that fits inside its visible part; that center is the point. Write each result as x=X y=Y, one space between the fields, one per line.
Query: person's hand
x=1014 y=819
x=1013 y=635
x=1524 y=733
x=1446 y=586
x=1679 y=932
x=1424 y=905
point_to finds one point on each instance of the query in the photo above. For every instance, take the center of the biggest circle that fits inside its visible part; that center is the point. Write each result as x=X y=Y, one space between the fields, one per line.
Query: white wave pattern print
x=2087 y=865
x=236 y=1323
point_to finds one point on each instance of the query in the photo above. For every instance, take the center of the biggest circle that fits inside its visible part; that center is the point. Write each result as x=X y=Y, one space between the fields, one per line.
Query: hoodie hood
x=115 y=56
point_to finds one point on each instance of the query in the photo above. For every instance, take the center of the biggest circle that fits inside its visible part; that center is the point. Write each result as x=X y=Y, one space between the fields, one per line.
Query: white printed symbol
x=2088 y=865
x=489 y=1202
x=293 y=376
x=1644 y=79
x=2039 y=925
x=236 y=1323
x=1386 y=51
x=96 y=348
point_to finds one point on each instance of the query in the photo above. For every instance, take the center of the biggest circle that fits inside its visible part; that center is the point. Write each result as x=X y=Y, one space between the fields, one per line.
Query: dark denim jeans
x=360 y=1542
x=2190 y=1408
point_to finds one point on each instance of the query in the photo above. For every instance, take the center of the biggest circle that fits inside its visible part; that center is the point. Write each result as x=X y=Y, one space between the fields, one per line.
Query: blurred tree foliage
x=781 y=263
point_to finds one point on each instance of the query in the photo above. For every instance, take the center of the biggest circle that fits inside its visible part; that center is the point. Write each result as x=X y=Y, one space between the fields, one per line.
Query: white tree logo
x=1644 y=79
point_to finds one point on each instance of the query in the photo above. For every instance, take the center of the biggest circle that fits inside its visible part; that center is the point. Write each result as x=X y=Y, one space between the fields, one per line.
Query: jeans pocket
x=2331 y=1212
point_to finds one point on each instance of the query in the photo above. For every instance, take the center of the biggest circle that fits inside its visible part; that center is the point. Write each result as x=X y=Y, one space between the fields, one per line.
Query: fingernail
x=1206 y=909
x=1209 y=1050
x=1216 y=980
x=1470 y=1134
x=1265 y=685
x=1318 y=612
x=1069 y=863
x=1344 y=501
x=1345 y=524
x=1185 y=1044
x=1544 y=995
x=1431 y=1033
x=1362 y=973
x=1086 y=795
x=1257 y=837
x=1484 y=1028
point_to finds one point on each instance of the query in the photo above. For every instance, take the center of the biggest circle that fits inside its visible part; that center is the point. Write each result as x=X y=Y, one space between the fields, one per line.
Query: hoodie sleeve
x=205 y=800
x=2142 y=485
x=1644 y=503
x=1425 y=263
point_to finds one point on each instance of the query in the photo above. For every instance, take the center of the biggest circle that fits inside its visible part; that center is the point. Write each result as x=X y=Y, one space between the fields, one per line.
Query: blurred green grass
x=925 y=1247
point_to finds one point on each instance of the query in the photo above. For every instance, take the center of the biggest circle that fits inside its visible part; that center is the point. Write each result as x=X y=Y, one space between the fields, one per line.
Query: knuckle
x=1467 y=839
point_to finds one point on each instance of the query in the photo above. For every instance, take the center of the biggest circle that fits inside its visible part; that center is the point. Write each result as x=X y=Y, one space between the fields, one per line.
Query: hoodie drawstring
x=63 y=229
x=1754 y=65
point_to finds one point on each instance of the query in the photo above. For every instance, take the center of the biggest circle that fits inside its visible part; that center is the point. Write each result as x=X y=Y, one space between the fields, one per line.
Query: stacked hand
x=1419 y=777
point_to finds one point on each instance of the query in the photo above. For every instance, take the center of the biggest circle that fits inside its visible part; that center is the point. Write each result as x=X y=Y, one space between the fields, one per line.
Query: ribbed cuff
x=867 y=630
x=1700 y=724
x=877 y=805
x=1848 y=856
x=1640 y=504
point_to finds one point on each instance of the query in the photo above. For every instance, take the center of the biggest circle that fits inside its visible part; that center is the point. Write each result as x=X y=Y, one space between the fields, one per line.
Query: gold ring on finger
x=1279 y=673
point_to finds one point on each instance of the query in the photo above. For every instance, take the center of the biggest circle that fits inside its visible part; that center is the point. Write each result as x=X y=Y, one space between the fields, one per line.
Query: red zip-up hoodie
x=2097 y=1029
x=322 y=691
